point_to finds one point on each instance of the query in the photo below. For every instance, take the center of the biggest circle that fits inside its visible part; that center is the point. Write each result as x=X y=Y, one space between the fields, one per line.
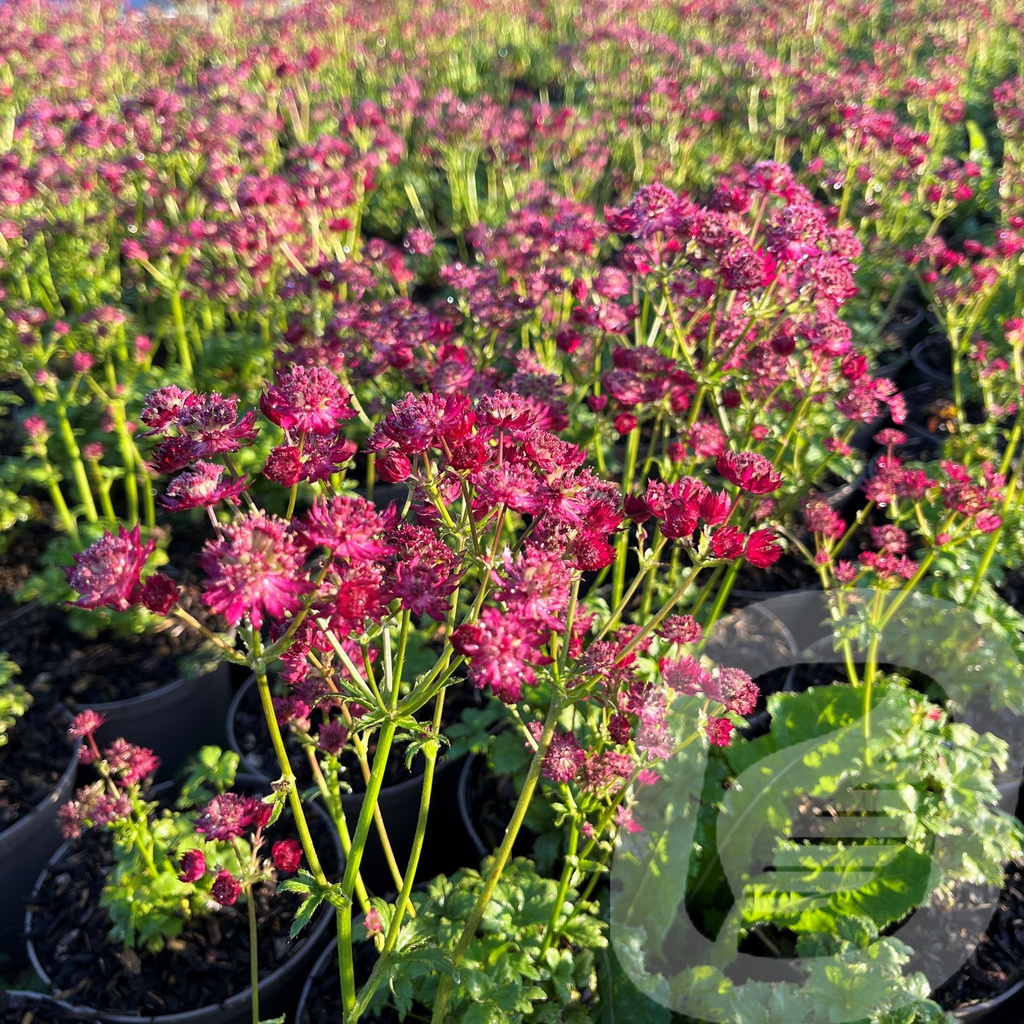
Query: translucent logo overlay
x=802 y=876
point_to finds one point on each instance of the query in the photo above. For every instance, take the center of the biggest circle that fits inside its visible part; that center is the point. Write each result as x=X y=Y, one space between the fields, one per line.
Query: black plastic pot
x=25 y=848
x=276 y=988
x=174 y=720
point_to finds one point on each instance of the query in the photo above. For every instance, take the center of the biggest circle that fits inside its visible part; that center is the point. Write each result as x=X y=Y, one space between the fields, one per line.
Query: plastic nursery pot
x=173 y=720
x=277 y=987
x=320 y=999
x=446 y=846
x=933 y=360
x=35 y=1008
x=995 y=1010
x=26 y=846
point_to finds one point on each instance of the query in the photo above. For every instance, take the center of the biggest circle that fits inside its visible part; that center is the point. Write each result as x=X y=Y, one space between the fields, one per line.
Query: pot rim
x=62 y=785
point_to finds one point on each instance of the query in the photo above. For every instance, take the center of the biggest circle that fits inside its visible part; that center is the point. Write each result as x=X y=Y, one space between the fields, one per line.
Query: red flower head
x=564 y=758
x=107 y=574
x=762 y=549
x=287 y=855
x=718 y=731
x=226 y=816
x=503 y=651
x=749 y=471
x=307 y=399
x=193 y=866
x=254 y=568
x=159 y=594
x=225 y=889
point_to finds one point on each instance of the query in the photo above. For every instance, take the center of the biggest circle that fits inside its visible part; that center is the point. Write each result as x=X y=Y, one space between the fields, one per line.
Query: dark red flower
x=193 y=866
x=750 y=471
x=762 y=549
x=159 y=594
x=287 y=855
x=107 y=573
x=225 y=889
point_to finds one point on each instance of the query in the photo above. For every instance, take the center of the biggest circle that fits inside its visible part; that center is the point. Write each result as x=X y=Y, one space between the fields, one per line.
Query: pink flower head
x=419 y=422
x=287 y=855
x=193 y=866
x=211 y=425
x=201 y=487
x=503 y=651
x=680 y=629
x=736 y=690
x=373 y=922
x=718 y=731
x=308 y=400
x=85 y=723
x=130 y=763
x=750 y=471
x=762 y=549
x=350 y=527
x=564 y=758
x=107 y=573
x=685 y=675
x=225 y=889
x=727 y=542
x=162 y=408
x=226 y=816
x=254 y=568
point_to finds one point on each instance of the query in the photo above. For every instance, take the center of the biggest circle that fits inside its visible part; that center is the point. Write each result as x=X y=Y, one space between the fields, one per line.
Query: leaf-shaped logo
x=825 y=833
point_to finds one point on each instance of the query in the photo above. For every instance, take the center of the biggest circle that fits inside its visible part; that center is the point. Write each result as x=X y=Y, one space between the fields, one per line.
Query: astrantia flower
x=85 y=723
x=226 y=816
x=287 y=855
x=193 y=866
x=225 y=889
x=159 y=594
x=107 y=573
x=750 y=471
x=503 y=652
x=736 y=690
x=307 y=399
x=685 y=675
x=718 y=731
x=564 y=758
x=762 y=549
x=350 y=527
x=680 y=629
x=209 y=422
x=200 y=487
x=254 y=568
x=130 y=763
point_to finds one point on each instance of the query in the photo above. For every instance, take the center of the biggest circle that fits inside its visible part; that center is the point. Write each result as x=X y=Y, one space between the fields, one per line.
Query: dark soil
x=60 y=664
x=995 y=964
x=31 y=764
x=206 y=964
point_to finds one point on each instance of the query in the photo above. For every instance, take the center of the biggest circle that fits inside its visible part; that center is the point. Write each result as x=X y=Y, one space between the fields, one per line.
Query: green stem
x=366 y=815
x=501 y=856
x=563 y=890
x=77 y=465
